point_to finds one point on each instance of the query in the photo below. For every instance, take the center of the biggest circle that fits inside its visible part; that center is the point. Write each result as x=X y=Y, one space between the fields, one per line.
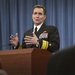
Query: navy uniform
x=48 y=38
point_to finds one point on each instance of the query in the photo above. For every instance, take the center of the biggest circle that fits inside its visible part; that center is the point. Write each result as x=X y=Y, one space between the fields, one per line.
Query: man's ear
x=44 y=17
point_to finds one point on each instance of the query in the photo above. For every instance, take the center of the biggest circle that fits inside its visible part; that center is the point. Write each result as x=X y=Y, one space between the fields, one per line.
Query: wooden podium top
x=22 y=51
x=16 y=51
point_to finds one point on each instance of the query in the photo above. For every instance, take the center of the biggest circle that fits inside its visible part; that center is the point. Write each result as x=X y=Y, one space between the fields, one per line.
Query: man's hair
x=40 y=6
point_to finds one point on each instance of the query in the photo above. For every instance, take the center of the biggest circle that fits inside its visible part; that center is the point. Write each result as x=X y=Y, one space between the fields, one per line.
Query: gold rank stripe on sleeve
x=44 y=44
x=20 y=47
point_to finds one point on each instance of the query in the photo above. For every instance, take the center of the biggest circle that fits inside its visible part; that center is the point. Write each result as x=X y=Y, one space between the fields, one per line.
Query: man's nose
x=37 y=15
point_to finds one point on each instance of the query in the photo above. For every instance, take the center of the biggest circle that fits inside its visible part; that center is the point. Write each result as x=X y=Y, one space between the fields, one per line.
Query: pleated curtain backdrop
x=16 y=17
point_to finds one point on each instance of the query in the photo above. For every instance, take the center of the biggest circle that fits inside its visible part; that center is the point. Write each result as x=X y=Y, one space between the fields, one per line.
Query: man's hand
x=31 y=39
x=14 y=40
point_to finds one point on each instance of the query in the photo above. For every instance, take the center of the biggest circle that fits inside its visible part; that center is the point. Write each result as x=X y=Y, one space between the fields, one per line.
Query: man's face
x=38 y=16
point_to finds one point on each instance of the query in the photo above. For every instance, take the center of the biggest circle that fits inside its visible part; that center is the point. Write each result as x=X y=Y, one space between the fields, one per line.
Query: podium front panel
x=31 y=61
x=16 y=62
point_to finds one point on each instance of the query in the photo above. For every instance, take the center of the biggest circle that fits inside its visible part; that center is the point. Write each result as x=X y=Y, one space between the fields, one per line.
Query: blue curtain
x=16 y=17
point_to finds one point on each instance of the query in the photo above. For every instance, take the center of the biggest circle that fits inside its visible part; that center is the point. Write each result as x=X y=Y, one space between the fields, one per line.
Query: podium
x=31 y=61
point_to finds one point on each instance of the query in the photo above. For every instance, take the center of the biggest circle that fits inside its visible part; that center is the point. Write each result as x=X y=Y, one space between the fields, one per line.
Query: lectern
x=31 y=61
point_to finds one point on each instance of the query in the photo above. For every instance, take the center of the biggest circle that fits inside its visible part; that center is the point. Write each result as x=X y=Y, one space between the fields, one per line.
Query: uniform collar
x=38 y=27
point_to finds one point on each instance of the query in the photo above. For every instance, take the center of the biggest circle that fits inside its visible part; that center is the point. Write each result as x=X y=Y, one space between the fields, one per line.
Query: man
x=62 y=62
x=46 y=37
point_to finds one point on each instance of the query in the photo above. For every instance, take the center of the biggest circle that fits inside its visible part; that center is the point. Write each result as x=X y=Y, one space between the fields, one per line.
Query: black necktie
x=35 y=30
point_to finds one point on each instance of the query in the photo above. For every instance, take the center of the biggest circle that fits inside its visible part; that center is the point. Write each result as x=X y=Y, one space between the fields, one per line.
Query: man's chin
x=37 y=23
